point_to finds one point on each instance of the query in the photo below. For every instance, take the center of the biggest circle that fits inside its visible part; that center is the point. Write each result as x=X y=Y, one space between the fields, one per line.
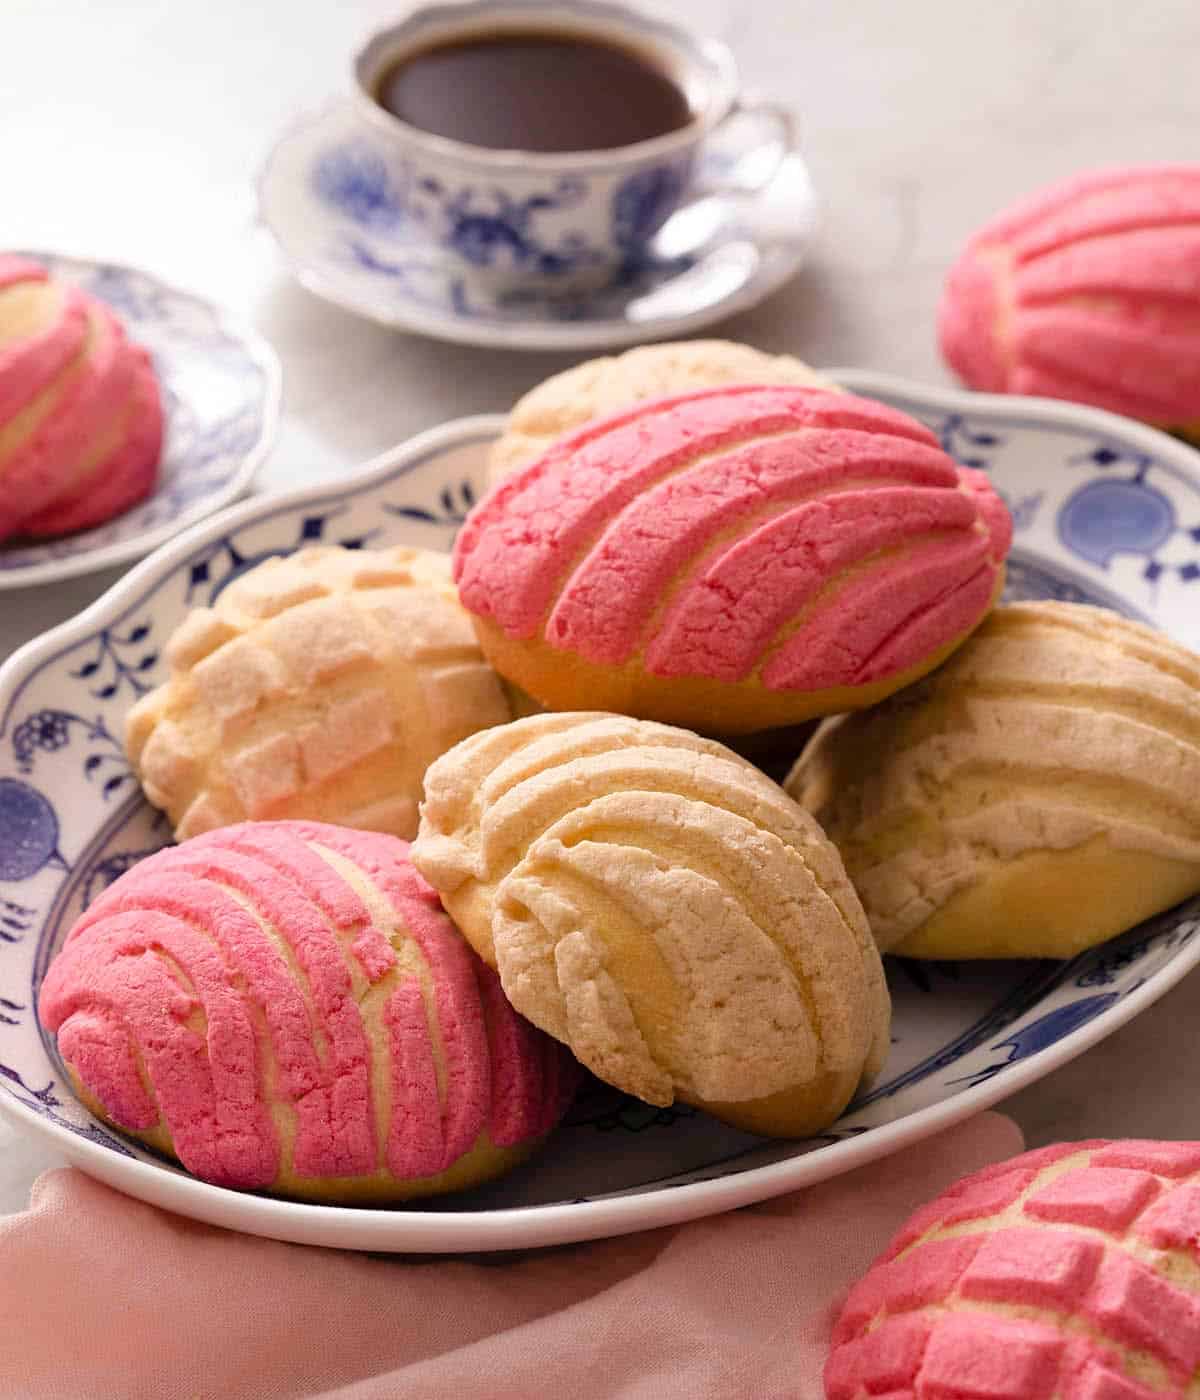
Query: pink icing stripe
x=1159 y=202
x=451 y=965
x=209 y=1092
x=98 y=1046
x=1158 y=269
x=185 y=891
x=282 y=846
x=347 y=1146
x=518 y=1093
x=416 y=1144
x=604 y=608
x=1136 y=369
x=935 y=621
x=34 y=472
x=521 y=540
x=721 y=624
x=18 y=269
x=562 y=1075
x=124 y=478
x=1041 y=207
x=27 y=366
x=889 y=619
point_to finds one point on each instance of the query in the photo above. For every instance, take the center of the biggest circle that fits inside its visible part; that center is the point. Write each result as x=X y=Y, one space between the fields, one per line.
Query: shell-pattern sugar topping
x=660 y=905
x=797 y=538
x=1056 y=725
x=81 y=419
x=1089 y=291
x=287 y=1002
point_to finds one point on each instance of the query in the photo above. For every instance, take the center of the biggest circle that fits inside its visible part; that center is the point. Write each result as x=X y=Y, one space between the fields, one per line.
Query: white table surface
x=133 y=129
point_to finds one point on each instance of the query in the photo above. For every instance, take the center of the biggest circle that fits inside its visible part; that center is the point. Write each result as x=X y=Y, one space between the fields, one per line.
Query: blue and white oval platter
x=1106 y=512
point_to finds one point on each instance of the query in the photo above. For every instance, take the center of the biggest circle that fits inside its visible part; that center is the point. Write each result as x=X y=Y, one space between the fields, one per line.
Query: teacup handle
x=703 y=219
x=772 y=113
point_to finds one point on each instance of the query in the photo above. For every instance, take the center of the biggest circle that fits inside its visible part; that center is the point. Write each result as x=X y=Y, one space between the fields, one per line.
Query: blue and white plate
x=348 y=235
x=220 y=383
x=1106 y=512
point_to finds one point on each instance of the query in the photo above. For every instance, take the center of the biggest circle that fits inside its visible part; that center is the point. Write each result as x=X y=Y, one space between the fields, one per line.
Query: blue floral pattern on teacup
x=489 y=229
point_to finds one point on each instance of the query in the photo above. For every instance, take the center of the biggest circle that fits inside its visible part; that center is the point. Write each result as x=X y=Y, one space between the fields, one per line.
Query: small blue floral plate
x=1106 y=512
x=353 y=236
x=220 y=384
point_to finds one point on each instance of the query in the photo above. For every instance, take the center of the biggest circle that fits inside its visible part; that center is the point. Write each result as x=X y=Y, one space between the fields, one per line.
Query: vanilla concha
x=319 y=685
x=1031 y=798
x=665 y=909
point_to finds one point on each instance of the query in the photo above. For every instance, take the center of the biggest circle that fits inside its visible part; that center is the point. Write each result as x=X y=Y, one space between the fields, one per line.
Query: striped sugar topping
x=798 y=537
x=289 y=998
x=1087 y=291
x=80 y=412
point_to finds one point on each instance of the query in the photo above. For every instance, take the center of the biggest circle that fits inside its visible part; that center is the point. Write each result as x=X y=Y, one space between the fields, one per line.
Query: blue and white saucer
x=221 y=385
x=327 y=197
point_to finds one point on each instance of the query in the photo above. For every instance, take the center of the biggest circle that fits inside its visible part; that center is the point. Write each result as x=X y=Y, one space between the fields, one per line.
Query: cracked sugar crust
x=320 y=685
x=662 y=907
x=285 y=1006
x=732 y=558
x=1086 y=290
x=1070 y=1271
x=1035 y=795
x=599 y=387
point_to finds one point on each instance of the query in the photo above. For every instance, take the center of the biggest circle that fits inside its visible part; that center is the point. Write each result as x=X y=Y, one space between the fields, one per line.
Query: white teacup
x=511 y=220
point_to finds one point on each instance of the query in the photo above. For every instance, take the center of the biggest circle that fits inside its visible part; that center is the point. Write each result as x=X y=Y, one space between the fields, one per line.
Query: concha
x=284 y=1006
x=1088 y=290
x=1033 y=797
x=318 y=685
x=664 y=909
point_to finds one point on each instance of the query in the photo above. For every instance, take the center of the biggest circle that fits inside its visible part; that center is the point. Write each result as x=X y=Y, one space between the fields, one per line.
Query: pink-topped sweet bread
x=1088 y=290
x=285 y=1007
x=732 y=559
x=80 y=413
x=1069 y=1273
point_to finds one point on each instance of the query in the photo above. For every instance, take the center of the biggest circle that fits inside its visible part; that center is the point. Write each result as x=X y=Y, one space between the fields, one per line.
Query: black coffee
x=534 y=91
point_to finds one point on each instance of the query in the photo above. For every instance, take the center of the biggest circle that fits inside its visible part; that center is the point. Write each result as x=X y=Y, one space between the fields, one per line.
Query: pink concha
x=1087 y=291
x=286 y=1006
x=793 y=537
x=80 y=410
x=1070 y=1272
x=121 y=479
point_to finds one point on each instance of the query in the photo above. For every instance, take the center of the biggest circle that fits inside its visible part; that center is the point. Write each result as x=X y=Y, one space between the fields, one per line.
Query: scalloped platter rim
x=1105 y=511
x=222 y=385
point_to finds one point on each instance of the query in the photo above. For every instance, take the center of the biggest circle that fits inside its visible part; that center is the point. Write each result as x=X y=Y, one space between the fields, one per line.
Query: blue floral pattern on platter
x=220 y=388
x=71 y=820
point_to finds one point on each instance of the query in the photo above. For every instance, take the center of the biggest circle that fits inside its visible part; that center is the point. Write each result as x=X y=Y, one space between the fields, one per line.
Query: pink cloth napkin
x=102 y=1296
